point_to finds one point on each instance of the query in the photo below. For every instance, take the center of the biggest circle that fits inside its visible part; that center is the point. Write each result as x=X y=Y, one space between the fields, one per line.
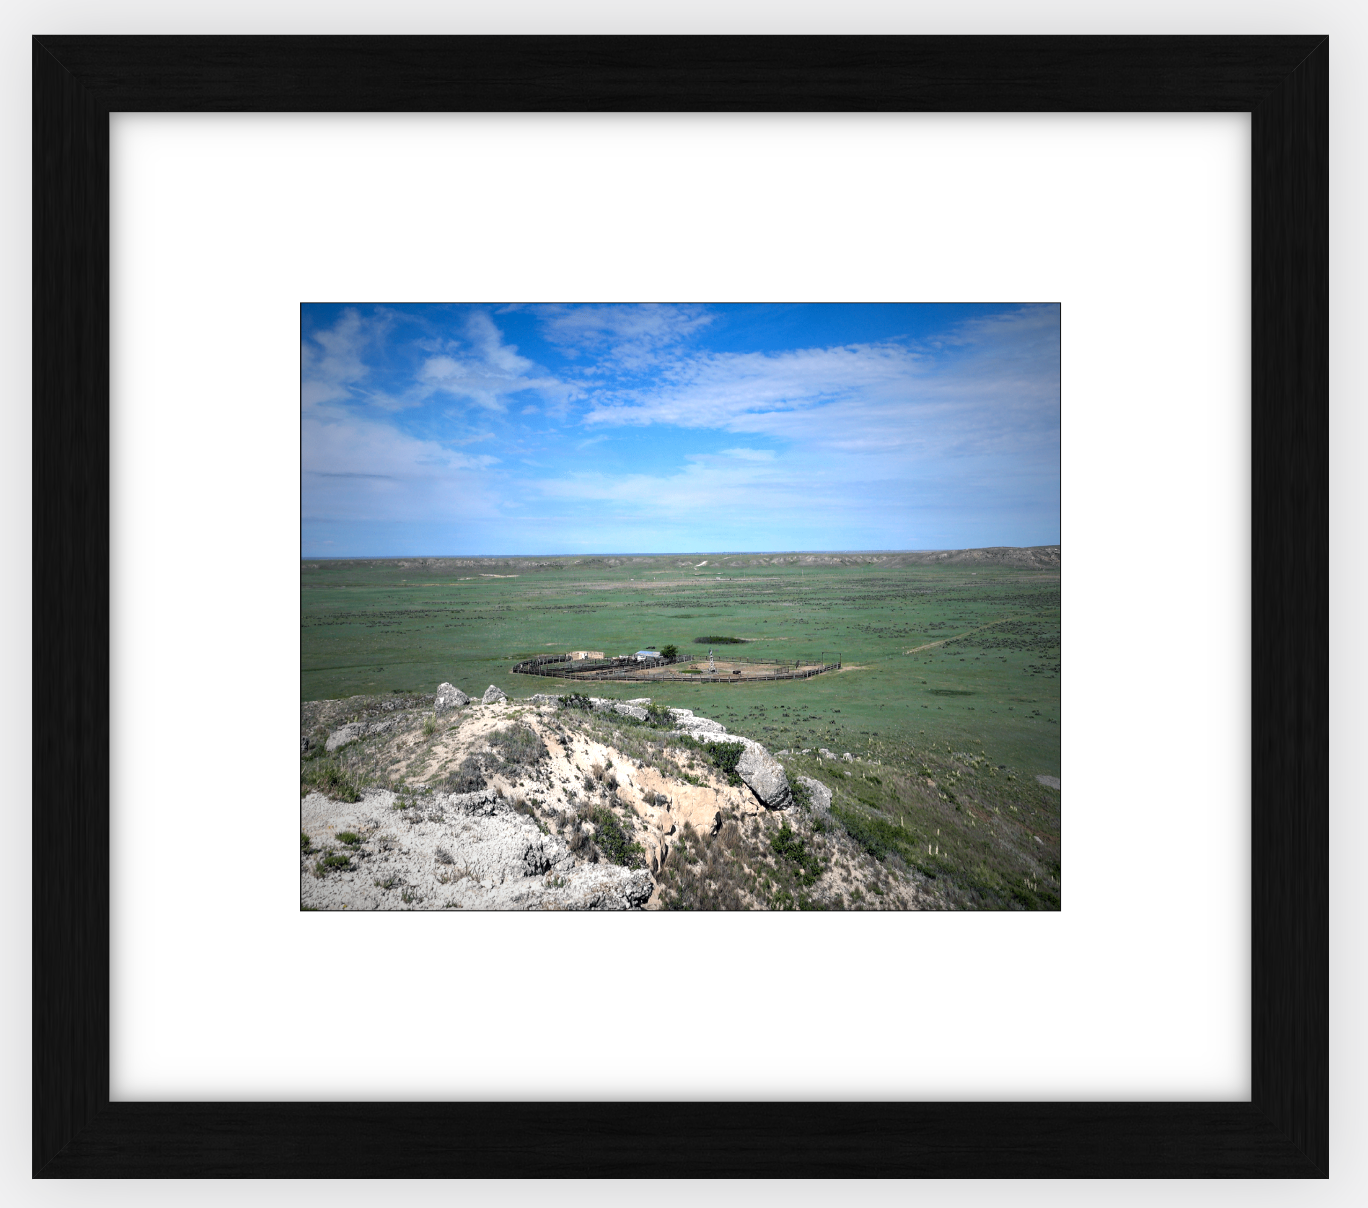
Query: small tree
x=668 y=653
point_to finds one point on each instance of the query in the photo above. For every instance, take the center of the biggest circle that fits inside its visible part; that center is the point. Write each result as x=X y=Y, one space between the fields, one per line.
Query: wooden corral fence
x=627 y=669
x=563 y=667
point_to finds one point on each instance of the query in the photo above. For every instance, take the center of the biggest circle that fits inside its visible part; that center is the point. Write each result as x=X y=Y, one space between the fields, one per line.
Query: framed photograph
x=81 y=1130
x=513 y=646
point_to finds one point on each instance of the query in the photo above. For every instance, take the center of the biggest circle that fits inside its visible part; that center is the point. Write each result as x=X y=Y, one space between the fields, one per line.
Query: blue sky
x=574 y=429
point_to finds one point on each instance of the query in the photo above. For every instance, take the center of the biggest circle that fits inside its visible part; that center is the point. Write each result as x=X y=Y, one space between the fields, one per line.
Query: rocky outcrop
x=825 y=754
x=493 y=696
x=688 y=723
x=467 y=850
x=354 y=731
x=449 y=697
x=486 y=802
x=602 y=887
x=633 y=711
x=818 y=793
x=764 y=776
x=848 y=757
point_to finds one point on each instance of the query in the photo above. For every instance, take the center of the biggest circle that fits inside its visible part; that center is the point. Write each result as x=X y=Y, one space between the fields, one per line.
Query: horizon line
x=958 y=549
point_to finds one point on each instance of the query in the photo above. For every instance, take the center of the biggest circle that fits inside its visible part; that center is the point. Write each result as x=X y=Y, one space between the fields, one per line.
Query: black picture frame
x=79 y=1133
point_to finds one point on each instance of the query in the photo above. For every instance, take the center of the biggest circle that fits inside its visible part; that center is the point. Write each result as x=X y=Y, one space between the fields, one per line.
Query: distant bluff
x=1036 y=557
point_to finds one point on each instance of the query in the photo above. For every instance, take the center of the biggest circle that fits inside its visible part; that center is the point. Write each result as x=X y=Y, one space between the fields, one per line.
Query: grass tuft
x=329 y=779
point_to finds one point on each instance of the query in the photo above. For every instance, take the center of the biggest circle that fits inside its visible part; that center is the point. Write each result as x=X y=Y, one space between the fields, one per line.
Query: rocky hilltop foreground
x=565 y=803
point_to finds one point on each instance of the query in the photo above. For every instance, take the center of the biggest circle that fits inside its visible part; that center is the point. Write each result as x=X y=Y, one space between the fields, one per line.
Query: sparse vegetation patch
x=518 y=745
x=328 y=778
x=612 y=840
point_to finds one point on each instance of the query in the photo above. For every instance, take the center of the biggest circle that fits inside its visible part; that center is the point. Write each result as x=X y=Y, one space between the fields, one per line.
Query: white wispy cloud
x=487 y=372
x=988 y=392
x=748 y=454
x=625 y=338
x=356 y=468
x=332 y=360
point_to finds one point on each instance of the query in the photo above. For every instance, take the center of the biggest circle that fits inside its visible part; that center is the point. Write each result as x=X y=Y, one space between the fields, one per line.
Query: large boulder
x=633 y=711
x=764 y=776
x=493 y=695
x=449 y=697
x=818 y=793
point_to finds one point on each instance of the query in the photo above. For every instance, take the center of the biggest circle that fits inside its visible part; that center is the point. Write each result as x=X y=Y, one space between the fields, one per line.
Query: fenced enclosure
x=687 y=668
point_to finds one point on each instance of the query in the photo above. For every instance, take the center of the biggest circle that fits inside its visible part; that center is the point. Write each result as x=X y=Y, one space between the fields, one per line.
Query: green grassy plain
x=379 y=626
x=950 y=674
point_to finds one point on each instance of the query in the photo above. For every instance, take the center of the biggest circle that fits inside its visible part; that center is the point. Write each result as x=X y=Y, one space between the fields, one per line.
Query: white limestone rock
x=449 y=697
x=818 y=793
x=764 y=776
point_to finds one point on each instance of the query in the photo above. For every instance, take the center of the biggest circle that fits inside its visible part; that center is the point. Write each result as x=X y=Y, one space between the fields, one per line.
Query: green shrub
x=329 y=863
x=794 y=851
x=875 y=835
x=659 y=716
x=725 y=756
x=714 y=639
x=575 y=700
x=350 y=838
x=329 y=779
x=429 y=727
x=612 y=840
x=669 y=653
x=305 y=844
